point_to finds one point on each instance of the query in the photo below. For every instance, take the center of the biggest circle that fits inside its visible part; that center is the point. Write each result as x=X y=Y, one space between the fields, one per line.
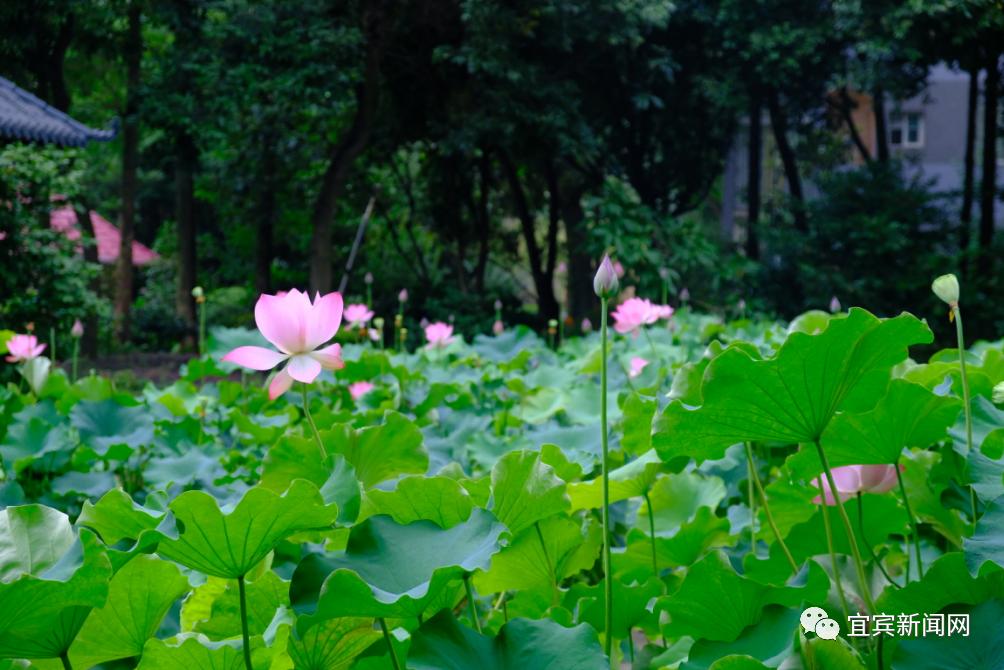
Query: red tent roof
x=64 y=219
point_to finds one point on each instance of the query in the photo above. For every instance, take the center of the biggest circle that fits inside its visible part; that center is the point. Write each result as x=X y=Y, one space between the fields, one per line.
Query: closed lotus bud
x=946 y=287
x=197 y=292
x=498 y=327
x=403 y=295
x=587 y=325
x=78 y=329
x=423 y=323
x=834 y=304
x=378 y=323
x=368 y=278
x=998 y=393
x=684 y=294
x=605 y=282
x=498 y=304
x=664 y=273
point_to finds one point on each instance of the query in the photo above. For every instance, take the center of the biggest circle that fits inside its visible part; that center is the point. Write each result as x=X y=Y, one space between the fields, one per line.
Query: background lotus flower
x=23 y=348
x=298 y=329
x=587 y=325
x=835 y=304
x=637 y=365
x=853 y=479
x=357 y=315
x=605 y=283
x=439 y=334
x=663 y=311
x=403 y=295
x=78 y=329
x=498 y=327
x=634 y=313
x=359 y=389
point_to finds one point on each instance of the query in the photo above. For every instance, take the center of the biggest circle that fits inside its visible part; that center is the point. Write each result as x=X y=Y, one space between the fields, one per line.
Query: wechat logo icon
x=815 y=620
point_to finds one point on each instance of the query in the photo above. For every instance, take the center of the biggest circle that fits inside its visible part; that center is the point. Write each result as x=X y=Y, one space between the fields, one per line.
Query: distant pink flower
x=852 y=479
x=637 y=365
x=359 y=389
x=403 y=295
x=498 y=328
x=357 y=316
x=634 y=313
x=298 y=329
x=439 y=334
x=618 y=269
x=23 y=348
x=587 y=325
x=77 y=330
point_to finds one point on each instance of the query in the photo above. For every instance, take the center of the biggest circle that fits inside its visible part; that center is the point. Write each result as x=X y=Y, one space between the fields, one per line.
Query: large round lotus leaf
x=792 y=396
x=49 y=581
x=332 y=645
x=203 y=537
x=981 y=647
x=393 y=570
x=522 y=644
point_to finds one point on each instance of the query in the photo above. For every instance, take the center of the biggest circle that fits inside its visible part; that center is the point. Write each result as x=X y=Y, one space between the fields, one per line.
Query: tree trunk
x=89 y=341
x=988 y=180
x=779 y=126
x=341 y=157
x=582 y=302
x=969 y=179
x=266 y=220
x=130 y=162
x=881 y=133
x=755 y=157
x=553 y=220
x=547 y=304
x=846 y=106
x=184 y=214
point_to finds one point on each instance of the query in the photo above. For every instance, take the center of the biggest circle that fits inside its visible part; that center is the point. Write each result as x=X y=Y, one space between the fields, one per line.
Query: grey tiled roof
x=25 y=117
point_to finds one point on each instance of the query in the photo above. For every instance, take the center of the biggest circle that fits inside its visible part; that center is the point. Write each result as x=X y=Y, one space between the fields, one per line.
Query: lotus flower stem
x=913 y=524
x=868 y=546
x=52 y=343
x=967 y=406
x=470 y=602
x=651 y=344
x=65 y=658
x=651 y=533
x=76 y=356
x=824 y=512
x=313 y=426
x=752 y=503
x=244 y=623
x=766 y=509
x=855 y=552
x=390 y=646
x=608 y=584
x=202 y=327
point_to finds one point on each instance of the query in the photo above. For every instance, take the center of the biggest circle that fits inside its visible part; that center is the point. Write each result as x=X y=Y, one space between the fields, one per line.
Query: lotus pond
x=444 y=508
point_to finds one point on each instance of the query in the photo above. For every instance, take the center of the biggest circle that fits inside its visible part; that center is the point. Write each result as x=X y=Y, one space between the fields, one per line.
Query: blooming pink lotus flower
x=23 y=348
x=359 y=389
x=634 y=313
x=853 y=479
x=637 y=365
x=357 y=315
x=439 y=334
x=498 y=327
x=298 y=329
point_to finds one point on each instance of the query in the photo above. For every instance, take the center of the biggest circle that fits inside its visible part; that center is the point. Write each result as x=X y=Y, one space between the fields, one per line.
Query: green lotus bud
x=197 y=292
x=946 y=287
x=605 y=282
x=998 y=394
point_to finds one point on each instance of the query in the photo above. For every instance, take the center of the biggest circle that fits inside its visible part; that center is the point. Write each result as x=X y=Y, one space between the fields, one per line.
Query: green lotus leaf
x=770 y=640
x=676 y=499
x=637 y=423
x=438 y=499
x=695 y=609
x=213 y=609
x=139 y=597
x=381 y=452
x=694 y=539
x=50 y=581
x=34 y=433
x=792 y=396
x=631 y=605
x=192 y=653
x=116 y=517
x=882 y=516
x=392 y=570
x=443 y=644
x=299 y=458
x=987 y=420
x=525 y=490
x=628 y=481
x=908 y=415
x=201 y=536
x=333 y=644
x=982 y=647
x=946 y=581
x=987 y=543
x=105 y=424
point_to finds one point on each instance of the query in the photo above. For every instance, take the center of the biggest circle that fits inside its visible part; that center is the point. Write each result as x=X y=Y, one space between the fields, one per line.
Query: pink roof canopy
x=64 y=219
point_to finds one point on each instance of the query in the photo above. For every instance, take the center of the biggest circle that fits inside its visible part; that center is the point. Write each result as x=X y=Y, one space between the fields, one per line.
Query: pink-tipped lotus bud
x=834 y=304
x=587 y=325
x=403 y=295
x=946 y=287
x=368 y=278
x=605 y=282
x=78 y=329
x=684 y=294
x=424 y=322
x=498 y=304
x=498 y=328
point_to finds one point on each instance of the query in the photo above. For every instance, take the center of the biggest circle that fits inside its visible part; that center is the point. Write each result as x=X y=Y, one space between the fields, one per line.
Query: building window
x=906 y=130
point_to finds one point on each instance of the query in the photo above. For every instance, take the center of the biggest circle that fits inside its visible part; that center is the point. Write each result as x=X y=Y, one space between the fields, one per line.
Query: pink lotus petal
x=280 y=322
x=634 y=313
x=439 y=334
x=877 y=478
x=357 y=315
x=329 y=357
x=255 y=358
x=637 y=365
x=281 y=383
x=359 y=389
x=303 y=368
x=23 y=348
x=323 y=319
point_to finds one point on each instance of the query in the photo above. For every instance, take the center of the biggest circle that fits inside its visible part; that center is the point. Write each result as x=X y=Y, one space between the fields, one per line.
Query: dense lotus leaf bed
x=456 y=506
